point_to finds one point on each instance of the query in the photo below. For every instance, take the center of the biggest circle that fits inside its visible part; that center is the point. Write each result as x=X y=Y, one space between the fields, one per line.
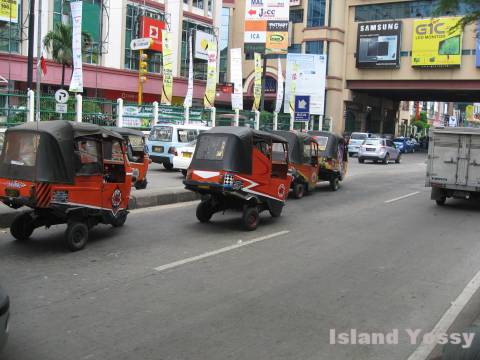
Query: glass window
x=161 y=133
x=314 y=47
x=112 y=151
x=211 y=148
x=21 y=149
x=88 y=152
x=296 y=16
x=358 y=136
x=186 y=135
x=197 y=4
x=307 y=150
x=11 y=31
x=199 y=66
x=316 y=13
x=322 y=142
x=295 y=49
x=279 y=152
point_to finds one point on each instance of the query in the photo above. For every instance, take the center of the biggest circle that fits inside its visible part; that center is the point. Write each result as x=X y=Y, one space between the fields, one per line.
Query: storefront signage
x=437 y=43
x=203 y=41
x=152 y=28
x=9 y=11
x=378 y=44
x=141 y=44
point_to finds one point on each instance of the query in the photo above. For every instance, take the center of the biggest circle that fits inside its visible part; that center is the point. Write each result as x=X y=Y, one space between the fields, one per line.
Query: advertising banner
x=211 y=88
x=167 y=58
x=202 y=42
x=9 y=11
x=310 y=79
x=378 y=44
x=236 y=78
x=76 y=84
x=189 y=96
x=257 y=85
x=266 y=22
x=478 y=45
x=152 y=28
x=292 y=88
x=279 y=101
x=436 y=44
x=302 y=108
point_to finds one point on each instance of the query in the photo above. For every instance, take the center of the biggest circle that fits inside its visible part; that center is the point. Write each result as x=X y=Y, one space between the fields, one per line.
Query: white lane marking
x=402 y=197
x=163 y=207
x=218 y=251
x=424 y=350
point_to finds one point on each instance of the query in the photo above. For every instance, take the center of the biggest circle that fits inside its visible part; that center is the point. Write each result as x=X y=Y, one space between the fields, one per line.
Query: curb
x=145 y=199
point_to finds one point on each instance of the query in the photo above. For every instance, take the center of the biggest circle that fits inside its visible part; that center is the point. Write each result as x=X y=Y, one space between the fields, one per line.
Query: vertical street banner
x=279 y=100
x=236 y=78
x=189 y=96
x=167 y=89
x=478 y=46
x=266 y=26
x=257 y=85
x=310 y=79
x=293 y=89
x=76 y=84
x=211 y=88
x=9 y=11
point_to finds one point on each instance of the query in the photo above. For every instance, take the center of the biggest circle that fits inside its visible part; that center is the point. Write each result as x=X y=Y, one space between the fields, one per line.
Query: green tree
x=453 y=7
x=59 y=42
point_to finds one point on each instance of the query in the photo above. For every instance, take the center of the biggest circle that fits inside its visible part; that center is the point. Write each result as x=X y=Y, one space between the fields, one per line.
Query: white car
x=2 y=138
x=183 y=157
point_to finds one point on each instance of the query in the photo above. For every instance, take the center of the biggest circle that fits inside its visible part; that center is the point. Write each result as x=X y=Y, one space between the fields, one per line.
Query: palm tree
x=453 y=7
x=59 y=42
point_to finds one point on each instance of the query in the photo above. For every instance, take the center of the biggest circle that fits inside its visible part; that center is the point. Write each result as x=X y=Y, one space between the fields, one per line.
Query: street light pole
x=39 y=49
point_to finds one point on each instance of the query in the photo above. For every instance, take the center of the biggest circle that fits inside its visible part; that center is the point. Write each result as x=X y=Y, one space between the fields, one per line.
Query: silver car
x=4 y=317
x=383 y=150
x=356 y=140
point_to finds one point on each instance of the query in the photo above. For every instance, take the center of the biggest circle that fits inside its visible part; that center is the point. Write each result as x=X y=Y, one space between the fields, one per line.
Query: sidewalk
x=138 y=200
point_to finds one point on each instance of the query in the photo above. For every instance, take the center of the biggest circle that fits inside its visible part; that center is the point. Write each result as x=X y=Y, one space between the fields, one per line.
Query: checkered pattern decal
x=228 y=180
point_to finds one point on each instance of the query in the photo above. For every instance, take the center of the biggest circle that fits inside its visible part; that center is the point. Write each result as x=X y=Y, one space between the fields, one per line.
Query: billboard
x=152 y=28
x=311 y=72
x=378 y=44
x=266 y=23
x=9 y=11
x=436 y=43
x=203 y=41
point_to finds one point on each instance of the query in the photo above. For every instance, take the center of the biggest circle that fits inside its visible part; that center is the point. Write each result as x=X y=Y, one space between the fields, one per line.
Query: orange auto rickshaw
x=233 y=168
x=136 y=154
x=65 y=172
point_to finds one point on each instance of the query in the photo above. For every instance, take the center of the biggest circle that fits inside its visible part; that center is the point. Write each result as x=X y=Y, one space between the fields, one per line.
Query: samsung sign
x=378 y=44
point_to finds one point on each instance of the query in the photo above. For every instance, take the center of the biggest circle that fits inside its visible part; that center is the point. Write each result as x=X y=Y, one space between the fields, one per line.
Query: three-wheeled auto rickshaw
x=66 y=172
x=136 y=154
x=232 y=168
x=303 y=161
x=333 y=157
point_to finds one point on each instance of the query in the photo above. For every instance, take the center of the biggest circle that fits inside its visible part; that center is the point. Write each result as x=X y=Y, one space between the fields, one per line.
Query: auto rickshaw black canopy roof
x=331 y=148
x=296 y=142
x=237 y=151
x=126 y=131
x=55 y=159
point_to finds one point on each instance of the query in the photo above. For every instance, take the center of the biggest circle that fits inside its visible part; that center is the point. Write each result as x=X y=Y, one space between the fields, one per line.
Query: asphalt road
x=350 y=259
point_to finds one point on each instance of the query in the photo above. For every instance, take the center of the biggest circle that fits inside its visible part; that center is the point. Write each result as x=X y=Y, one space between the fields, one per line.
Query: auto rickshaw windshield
x=21 y=149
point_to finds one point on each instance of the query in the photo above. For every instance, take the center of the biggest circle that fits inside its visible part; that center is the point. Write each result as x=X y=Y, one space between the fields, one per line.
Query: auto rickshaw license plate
x=205 y=187
x=187 y=155
x=158 y=149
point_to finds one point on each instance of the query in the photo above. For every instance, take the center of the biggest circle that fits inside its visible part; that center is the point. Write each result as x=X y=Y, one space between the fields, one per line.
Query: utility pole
x=31 y=35
x=39 y=50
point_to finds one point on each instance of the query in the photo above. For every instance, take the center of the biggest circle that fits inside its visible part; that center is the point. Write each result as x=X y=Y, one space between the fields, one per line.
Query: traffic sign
x=61 y=108
x=141 y=43
x=302 y=108
x=61 y=96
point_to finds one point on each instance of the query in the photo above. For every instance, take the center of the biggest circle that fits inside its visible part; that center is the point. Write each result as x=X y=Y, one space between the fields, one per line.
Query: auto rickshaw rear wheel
x=298 y=190
x=22 y=227
x=251 y=218
x=119 y=220
x=204 y=211
x=76 y=235
x=334 y=183
x=168 y=166
x=141 y=185
x=275 y=211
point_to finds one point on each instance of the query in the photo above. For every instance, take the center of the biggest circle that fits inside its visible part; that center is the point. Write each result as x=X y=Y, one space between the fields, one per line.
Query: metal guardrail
x=13 y=108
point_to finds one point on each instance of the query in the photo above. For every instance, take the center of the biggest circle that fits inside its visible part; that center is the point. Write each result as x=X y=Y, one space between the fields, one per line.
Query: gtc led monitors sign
x=378 y=44
x=437 y=43
x=277 y=37
x=152 y=28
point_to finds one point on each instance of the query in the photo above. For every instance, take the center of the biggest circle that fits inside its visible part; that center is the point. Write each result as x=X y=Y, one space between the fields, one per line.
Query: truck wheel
x=120 y=219
x=22 y=227
x=168 y=166
x=76 y=235
x=441 y=201
x=204 y=212
x=141 y=185
x=250 y=218
x=334 y=183
x=298 y=190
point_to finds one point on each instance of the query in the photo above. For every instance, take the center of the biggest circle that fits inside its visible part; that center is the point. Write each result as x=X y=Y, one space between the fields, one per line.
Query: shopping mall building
x=372 y=65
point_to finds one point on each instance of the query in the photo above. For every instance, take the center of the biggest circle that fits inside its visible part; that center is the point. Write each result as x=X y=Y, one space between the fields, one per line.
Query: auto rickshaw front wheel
x=120 y=219
x=298 y=190
x=22 y=227
x=334 y=183
x=204 y=211
x=76 y=235
x=141 y=185
x=251 y=218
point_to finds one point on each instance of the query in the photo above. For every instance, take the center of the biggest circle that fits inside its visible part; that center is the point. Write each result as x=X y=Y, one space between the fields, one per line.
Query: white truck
x=453 y=165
